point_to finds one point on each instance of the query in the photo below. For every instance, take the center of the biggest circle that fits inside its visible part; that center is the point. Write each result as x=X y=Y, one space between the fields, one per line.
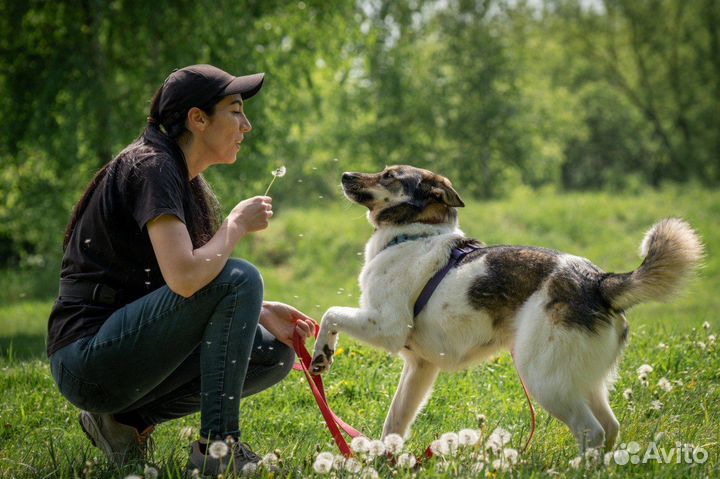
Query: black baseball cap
x=197 y=85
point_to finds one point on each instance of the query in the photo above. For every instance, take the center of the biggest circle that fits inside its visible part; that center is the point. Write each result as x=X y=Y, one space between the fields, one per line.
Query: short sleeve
x=158 y=190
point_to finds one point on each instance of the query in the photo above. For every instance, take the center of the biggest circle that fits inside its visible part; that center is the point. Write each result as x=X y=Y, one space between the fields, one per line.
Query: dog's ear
x=444 y=192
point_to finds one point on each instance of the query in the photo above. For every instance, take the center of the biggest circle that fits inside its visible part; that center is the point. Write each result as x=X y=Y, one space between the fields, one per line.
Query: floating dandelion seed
x=218 y=449
x=278 y=173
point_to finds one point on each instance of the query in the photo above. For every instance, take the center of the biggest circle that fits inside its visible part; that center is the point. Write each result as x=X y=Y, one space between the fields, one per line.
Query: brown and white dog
x=561 y=315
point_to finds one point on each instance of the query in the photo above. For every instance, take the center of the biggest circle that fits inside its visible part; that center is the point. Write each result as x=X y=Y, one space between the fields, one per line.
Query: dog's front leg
x=365 y=325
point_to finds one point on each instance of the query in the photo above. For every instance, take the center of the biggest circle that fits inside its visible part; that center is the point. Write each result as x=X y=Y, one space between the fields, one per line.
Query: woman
x=154 y=320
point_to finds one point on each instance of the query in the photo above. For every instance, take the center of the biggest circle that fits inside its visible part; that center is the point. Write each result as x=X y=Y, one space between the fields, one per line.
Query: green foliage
x=39 y=436
x=495 y=94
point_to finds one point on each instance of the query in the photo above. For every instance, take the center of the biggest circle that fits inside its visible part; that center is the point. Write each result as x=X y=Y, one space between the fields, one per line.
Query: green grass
x=309 y=259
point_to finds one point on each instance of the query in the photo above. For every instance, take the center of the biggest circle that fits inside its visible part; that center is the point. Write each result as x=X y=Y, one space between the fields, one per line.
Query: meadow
x=310 y=258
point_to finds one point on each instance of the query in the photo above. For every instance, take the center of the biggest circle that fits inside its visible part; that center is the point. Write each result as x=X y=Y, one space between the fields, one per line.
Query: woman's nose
x=245 y=125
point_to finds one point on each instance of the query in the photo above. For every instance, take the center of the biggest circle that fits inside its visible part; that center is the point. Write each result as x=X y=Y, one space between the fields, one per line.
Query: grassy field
x=311 y=259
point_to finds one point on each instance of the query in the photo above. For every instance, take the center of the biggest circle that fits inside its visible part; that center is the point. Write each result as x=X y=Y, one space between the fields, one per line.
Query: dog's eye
x=387 y=175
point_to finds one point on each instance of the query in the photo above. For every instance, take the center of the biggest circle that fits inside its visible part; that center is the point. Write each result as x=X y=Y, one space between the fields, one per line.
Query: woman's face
x=225 y=131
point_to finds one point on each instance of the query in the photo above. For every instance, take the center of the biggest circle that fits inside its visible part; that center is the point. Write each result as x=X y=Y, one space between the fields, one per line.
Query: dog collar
x=403 y=238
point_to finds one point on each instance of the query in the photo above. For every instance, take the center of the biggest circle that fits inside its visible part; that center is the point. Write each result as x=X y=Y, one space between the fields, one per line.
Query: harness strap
x=456 y=255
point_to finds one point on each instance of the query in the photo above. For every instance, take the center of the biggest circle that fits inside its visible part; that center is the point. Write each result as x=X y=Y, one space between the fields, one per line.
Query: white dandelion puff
x=468 y=437
x=133 y=476
x=360 y=444
x=270 y=459
x=575 y=463
x=187 y=433
x=369 y=473
x=277 y=173
x=628 y=394
x=218 y=449
x=481 y=419
x=665 y=385
x=394 y=443
x=656 y=405
x=325 y=456
x=322 y=466
x=607 y=458
x=452 y=440
x=338 y=462
x=476 y=468
x=706 y=326
x=150 y=472
x=644 y=369
x=711 y=339
x=353 y=465
x=249 y=469
x=592 y=456
x=439 y=447
x=406 y=460
x=498 y=439
x=376 y=448
x=701 y=345
x=644 y=383
x=511 y=455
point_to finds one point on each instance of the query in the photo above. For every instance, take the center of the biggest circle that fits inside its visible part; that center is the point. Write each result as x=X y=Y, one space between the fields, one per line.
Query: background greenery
x=571 y=124
x=574 y=94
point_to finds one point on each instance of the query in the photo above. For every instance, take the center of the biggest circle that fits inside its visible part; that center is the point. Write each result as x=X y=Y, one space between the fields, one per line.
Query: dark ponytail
x=162 y=134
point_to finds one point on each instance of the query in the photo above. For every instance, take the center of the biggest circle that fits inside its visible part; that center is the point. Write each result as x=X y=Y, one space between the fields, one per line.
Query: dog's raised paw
x=322 y=361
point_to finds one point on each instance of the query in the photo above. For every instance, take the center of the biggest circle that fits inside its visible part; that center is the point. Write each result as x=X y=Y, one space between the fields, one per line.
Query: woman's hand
x=283 y=320
x=252 y=214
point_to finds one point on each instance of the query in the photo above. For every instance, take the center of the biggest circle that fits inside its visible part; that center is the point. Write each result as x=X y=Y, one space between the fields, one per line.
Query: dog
x=562 y=316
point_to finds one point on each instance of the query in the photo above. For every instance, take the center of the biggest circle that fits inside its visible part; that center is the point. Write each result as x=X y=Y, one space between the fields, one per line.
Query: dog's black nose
x=348 y=176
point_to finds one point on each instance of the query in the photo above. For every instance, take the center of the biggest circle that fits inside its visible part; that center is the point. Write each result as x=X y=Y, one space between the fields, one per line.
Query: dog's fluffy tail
x=672 y=252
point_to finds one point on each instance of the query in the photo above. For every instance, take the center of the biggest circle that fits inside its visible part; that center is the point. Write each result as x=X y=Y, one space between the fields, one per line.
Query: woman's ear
x=196 y=119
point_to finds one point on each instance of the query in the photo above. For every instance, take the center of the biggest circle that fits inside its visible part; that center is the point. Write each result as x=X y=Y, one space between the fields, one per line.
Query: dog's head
x=403 y=195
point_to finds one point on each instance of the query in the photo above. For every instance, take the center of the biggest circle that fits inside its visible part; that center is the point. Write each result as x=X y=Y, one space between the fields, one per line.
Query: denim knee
x=243 y=274
x=286 y=360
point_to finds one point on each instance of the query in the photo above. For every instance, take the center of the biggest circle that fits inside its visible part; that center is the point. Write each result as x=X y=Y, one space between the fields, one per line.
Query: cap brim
x=247 y=86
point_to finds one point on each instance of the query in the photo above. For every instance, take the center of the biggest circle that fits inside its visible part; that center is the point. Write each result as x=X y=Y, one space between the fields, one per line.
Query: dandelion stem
x=271 y=182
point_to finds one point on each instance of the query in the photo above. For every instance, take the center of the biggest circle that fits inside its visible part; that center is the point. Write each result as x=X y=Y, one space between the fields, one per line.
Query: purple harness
x=456 y=255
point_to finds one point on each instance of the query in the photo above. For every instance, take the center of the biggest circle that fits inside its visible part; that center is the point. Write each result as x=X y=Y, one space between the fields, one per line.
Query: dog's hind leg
x=416 y=381
x=600 y=407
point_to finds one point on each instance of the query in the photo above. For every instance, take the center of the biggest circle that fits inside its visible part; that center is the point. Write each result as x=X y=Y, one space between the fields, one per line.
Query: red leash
x=334 y=423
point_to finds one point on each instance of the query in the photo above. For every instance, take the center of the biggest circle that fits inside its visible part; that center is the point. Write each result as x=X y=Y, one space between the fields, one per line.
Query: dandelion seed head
x=394 y=443
x=406 y=460
x=369 y=473
x=452 y=439
x=706 y=326
x=644 y=369
x=270 y=459
x=711 y=339
x=439 y=447
x=511 y=455
x=656 y=405
x=665 y=385
x=187 y=433
x=322 y=466
x=607 y=458
x=481 y=419
x=280 y=172
x=498 y=439
x=352 y=465
x=325 y=456
x=575 y=463
x=376 y=448
x=218 y=449
x=701 y=345
x=150 y=472
x=644 y=383
x=476 y=468
x=338 y=462
x=468 y=437
x=628 y=394
x=592 y=456
x=249 y=468
x=360 y=444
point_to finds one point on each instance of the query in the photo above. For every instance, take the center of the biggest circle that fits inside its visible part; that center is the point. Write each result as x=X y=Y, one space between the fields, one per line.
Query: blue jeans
x=164 y=356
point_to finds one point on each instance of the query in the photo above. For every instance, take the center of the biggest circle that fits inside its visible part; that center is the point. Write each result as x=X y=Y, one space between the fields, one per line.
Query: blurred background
x=551 y=96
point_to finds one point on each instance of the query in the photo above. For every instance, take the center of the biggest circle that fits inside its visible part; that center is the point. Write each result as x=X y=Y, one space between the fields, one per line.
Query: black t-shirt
x=110 y=244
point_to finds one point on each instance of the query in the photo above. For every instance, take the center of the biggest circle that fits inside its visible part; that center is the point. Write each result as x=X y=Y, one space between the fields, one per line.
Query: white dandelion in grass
x=498 y=439
x=187 y=433
x=323 y=463
x=352 y=465
x=711 y=339
x=369 y=473
x=249 y=469
x=628 y=394
x=656 y=405
x=150 y=472
x=665 y=385
x=270 y=459
x=645 y=369
x=133 y=476
x=439 y=447
x=277 y=173
x=468 y=437
x=452 y=440
x=338 y=462
x=360 y=444
x=218 y=449
x=706 y=326
x=394 y=443
x=406 y=460
x=376 y=448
